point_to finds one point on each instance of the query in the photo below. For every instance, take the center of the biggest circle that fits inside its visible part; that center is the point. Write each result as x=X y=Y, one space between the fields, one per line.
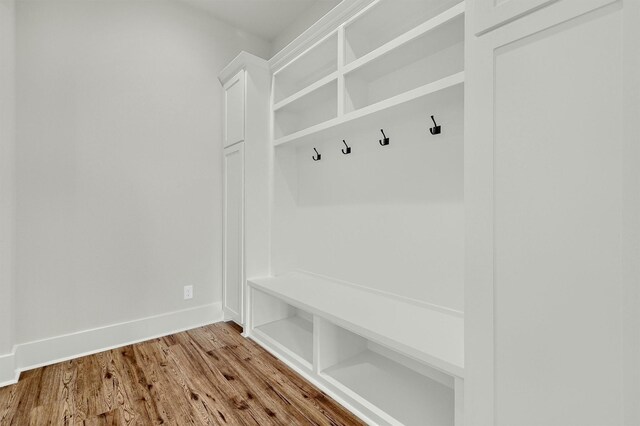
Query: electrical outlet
x=188 y=292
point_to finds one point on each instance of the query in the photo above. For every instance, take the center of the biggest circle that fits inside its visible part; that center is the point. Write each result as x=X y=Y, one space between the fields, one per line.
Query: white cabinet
x=246 y=82
x=233 y=263
x=234 y=108
x=551 y=184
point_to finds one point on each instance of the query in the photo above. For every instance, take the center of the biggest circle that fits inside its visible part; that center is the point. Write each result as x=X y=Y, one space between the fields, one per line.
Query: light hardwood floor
x=210 y=375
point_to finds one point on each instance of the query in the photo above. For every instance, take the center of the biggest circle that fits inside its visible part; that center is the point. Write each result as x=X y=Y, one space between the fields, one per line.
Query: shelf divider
x=422 y=91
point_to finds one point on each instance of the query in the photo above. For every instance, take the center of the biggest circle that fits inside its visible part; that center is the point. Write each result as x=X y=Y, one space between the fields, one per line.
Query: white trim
x=239 y=63
x=40 y=353
x=378 y=107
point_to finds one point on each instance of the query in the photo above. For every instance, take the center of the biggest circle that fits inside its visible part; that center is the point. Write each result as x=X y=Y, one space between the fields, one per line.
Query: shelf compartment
x=433 y=55
x=441 y=342
x=313 y=65
x=283 y=327
x=386 y=20
x=318 y=106
x=422 y=98
x=394 y=387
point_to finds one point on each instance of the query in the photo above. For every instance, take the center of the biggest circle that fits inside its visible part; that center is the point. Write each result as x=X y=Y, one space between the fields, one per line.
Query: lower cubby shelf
x=294 y=333
x=284 y=328
x=395 y=390
x=383 y=382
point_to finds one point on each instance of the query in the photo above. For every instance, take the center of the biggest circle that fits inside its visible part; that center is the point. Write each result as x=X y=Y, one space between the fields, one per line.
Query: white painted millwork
x=234 y=109
x=487 y=275
x=377 y=321
x=551 y=187
x=247 y=169
x=233 y=253
x=442 y=345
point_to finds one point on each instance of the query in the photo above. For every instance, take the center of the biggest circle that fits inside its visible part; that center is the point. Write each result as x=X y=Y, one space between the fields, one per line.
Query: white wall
x=119 y=160
x=7 y=169
x=311 y=15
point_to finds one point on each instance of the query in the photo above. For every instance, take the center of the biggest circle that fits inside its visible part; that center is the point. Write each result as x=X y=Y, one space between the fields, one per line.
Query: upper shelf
x=424 y=97
x=414 y=61
x=310 y=67
x=432 y=336
x=386 y=20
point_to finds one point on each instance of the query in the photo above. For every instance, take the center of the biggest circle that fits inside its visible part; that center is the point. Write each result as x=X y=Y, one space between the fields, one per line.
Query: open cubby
x=285 y=326
x=434 y=55
x=313 y=108
x=401 y=389
x=318 y=62
x=386 y=20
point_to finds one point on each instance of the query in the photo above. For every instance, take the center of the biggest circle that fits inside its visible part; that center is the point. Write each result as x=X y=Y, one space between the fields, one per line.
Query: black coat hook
x=385 y=140
x=348 y=150
x=435 y=130
x=318 y=157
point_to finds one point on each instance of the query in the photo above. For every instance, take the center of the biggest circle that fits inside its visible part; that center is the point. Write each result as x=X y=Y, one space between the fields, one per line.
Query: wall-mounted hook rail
x=435 y=130
x=385 y=140
x=348 y=150
x=317 y=157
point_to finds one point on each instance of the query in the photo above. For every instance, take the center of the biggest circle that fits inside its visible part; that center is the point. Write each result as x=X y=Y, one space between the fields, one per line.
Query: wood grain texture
x=205 y=376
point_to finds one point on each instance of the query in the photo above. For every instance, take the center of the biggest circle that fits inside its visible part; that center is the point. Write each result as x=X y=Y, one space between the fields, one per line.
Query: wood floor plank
x=206 y=376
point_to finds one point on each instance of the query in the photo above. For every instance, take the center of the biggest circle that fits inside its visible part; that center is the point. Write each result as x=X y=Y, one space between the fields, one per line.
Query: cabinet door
x=233 y=254
x=234 y=109
x=551 y=184
x=490 y=14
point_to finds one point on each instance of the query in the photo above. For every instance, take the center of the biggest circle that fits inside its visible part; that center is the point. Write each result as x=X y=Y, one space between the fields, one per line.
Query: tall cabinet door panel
x=233 y=270
x=546 y=198
x=234 y=102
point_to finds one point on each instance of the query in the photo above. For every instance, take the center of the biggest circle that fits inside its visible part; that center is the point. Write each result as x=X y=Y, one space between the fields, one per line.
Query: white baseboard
x=8 y=373
x=56 y=349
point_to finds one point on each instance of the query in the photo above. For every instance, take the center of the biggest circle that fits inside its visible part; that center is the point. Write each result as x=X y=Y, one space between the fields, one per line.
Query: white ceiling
x=264 y=18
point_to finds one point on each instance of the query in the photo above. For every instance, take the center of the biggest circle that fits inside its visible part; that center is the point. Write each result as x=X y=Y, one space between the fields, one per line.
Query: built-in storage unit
x=432 y=52
x=246 y=82
x=364 y=294
x=421 y=277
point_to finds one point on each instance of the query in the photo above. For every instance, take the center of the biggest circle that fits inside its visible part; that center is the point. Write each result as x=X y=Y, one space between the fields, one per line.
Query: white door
x=234 y=109
x=233 y=254
x=551 y=184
